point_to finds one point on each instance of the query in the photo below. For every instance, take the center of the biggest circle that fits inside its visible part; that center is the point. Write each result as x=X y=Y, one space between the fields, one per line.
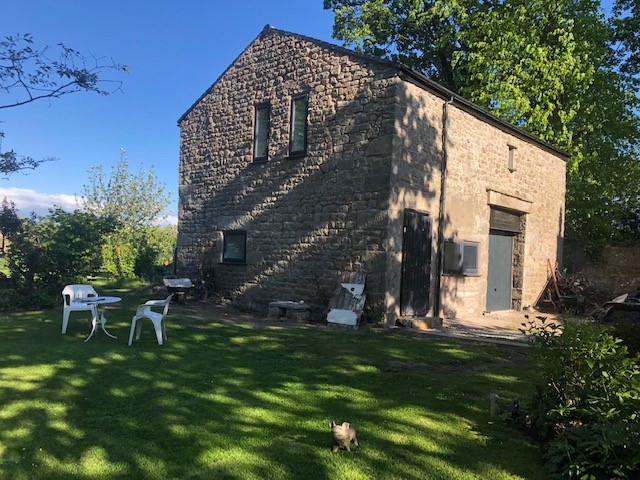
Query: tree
x=545 y=65
x=58 y=248
x=133 y=201
x=420 y=34
x=9 y=221
x=626 y=24
x=25 y=256
x=71 y=244
x=29 y=73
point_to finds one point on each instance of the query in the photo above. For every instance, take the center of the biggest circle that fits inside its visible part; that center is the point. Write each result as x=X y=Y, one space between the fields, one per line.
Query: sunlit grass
x=225 y=399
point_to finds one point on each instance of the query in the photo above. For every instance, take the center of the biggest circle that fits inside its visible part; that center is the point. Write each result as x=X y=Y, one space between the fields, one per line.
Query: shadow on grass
x=238 y=400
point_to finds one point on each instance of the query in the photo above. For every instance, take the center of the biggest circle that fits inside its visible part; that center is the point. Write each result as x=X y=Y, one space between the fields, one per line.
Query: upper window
x=234 y=248
x=261 y=132
x=461 y=258
x=298 y=139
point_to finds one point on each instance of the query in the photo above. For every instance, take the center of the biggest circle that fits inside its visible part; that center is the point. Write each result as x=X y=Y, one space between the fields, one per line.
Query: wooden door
x=416 y=264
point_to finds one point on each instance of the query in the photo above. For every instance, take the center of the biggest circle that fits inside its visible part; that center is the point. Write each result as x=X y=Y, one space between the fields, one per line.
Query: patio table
x=98 y=301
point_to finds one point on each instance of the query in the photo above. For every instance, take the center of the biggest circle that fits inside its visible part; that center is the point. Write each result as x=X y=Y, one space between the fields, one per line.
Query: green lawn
x=225 y=399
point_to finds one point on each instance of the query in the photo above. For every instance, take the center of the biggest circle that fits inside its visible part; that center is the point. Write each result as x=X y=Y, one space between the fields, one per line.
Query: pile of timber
x=562 y=291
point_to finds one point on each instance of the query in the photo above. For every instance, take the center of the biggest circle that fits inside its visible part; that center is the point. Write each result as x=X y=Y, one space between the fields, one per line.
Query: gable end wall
x=310 y=218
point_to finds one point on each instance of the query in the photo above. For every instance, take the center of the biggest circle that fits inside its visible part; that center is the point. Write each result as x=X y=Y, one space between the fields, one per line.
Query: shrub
x=627 y=330
x=14 y=300
x=587 y=403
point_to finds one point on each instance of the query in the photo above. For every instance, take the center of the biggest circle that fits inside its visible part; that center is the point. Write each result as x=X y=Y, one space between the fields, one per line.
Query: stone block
x=426 y=323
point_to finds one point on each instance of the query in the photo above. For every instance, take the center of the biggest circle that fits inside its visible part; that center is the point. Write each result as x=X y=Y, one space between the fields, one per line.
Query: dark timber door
x=416 y=264
x=499 y=276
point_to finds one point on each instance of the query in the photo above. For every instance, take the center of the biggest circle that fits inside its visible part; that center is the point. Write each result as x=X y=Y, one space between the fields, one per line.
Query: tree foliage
x=545 y=65
x=627 y=28
x=56 y=249
x=9 y=222
x=71 y=244
x=29 y=73
x=134 y=201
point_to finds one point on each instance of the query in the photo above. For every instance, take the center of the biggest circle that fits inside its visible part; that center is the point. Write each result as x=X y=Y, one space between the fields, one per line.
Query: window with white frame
x=461 y=258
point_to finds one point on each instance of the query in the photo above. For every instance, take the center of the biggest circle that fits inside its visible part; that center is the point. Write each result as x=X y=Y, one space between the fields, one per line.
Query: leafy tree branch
x=29 y=74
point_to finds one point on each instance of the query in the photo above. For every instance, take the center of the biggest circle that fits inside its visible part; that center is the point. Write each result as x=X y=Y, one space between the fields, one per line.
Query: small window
x=511 y=159
x=461 y=258
x=234 y=246
x=261 y=132
x=298 y=139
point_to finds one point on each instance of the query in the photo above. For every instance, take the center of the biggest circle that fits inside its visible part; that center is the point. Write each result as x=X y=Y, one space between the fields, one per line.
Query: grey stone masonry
x=307 y=218
x=374 y=150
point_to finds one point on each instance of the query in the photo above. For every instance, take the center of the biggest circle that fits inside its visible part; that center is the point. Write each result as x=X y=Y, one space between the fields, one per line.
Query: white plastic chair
x=70 y=294
x=144 y=311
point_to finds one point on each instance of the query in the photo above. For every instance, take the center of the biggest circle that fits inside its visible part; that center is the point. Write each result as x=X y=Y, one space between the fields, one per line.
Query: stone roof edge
x=407 y=74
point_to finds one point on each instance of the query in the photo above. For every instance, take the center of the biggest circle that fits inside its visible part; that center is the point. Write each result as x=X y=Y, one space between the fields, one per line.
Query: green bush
x=55 y=250
x=144 y=255
x=587 y=403
x=14 y=300
x=627 y=330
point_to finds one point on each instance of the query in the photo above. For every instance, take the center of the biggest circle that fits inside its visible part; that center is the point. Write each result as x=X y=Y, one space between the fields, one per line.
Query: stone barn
x=305 y=160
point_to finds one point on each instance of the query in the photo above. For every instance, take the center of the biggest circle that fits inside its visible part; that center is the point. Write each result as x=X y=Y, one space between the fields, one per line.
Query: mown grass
x=239 y=400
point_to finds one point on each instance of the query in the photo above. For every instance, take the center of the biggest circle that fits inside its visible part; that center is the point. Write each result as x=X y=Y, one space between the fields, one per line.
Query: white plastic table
x=94 y=321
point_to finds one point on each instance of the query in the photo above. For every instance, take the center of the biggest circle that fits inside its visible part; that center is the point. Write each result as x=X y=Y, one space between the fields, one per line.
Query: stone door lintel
x=509 y=202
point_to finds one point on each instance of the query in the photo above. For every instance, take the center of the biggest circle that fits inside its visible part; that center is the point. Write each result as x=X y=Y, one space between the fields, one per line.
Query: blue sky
x=174 y=50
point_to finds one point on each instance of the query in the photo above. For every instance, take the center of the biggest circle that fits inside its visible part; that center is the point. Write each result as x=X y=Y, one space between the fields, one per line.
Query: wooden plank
x=342 y=299
x=542 y=292
x=553 y=278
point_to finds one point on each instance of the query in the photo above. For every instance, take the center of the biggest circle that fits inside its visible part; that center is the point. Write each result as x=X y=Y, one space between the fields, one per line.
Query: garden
x=230 y=398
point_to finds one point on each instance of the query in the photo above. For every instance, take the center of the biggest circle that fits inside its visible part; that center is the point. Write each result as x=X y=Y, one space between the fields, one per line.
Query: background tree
x=547 y=66
x=9 y=222
x=156 y=251
x=55 y=250
x=29 y=73
x=25 y=256
x=71 y=246
x=626 y=24
x=134 y=202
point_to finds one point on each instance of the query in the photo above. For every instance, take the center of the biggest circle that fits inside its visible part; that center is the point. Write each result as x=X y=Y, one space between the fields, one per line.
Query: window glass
x=470 y=259
x=460 y=258
x=452 y=257
x=298 y=141
x=261 y=132
x=235 y=246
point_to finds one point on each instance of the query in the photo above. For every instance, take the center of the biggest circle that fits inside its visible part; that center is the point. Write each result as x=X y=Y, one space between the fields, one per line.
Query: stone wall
x=307 y=218
x=479 y=177
x=610 y=271
x=416 y=159
x=374 y=150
